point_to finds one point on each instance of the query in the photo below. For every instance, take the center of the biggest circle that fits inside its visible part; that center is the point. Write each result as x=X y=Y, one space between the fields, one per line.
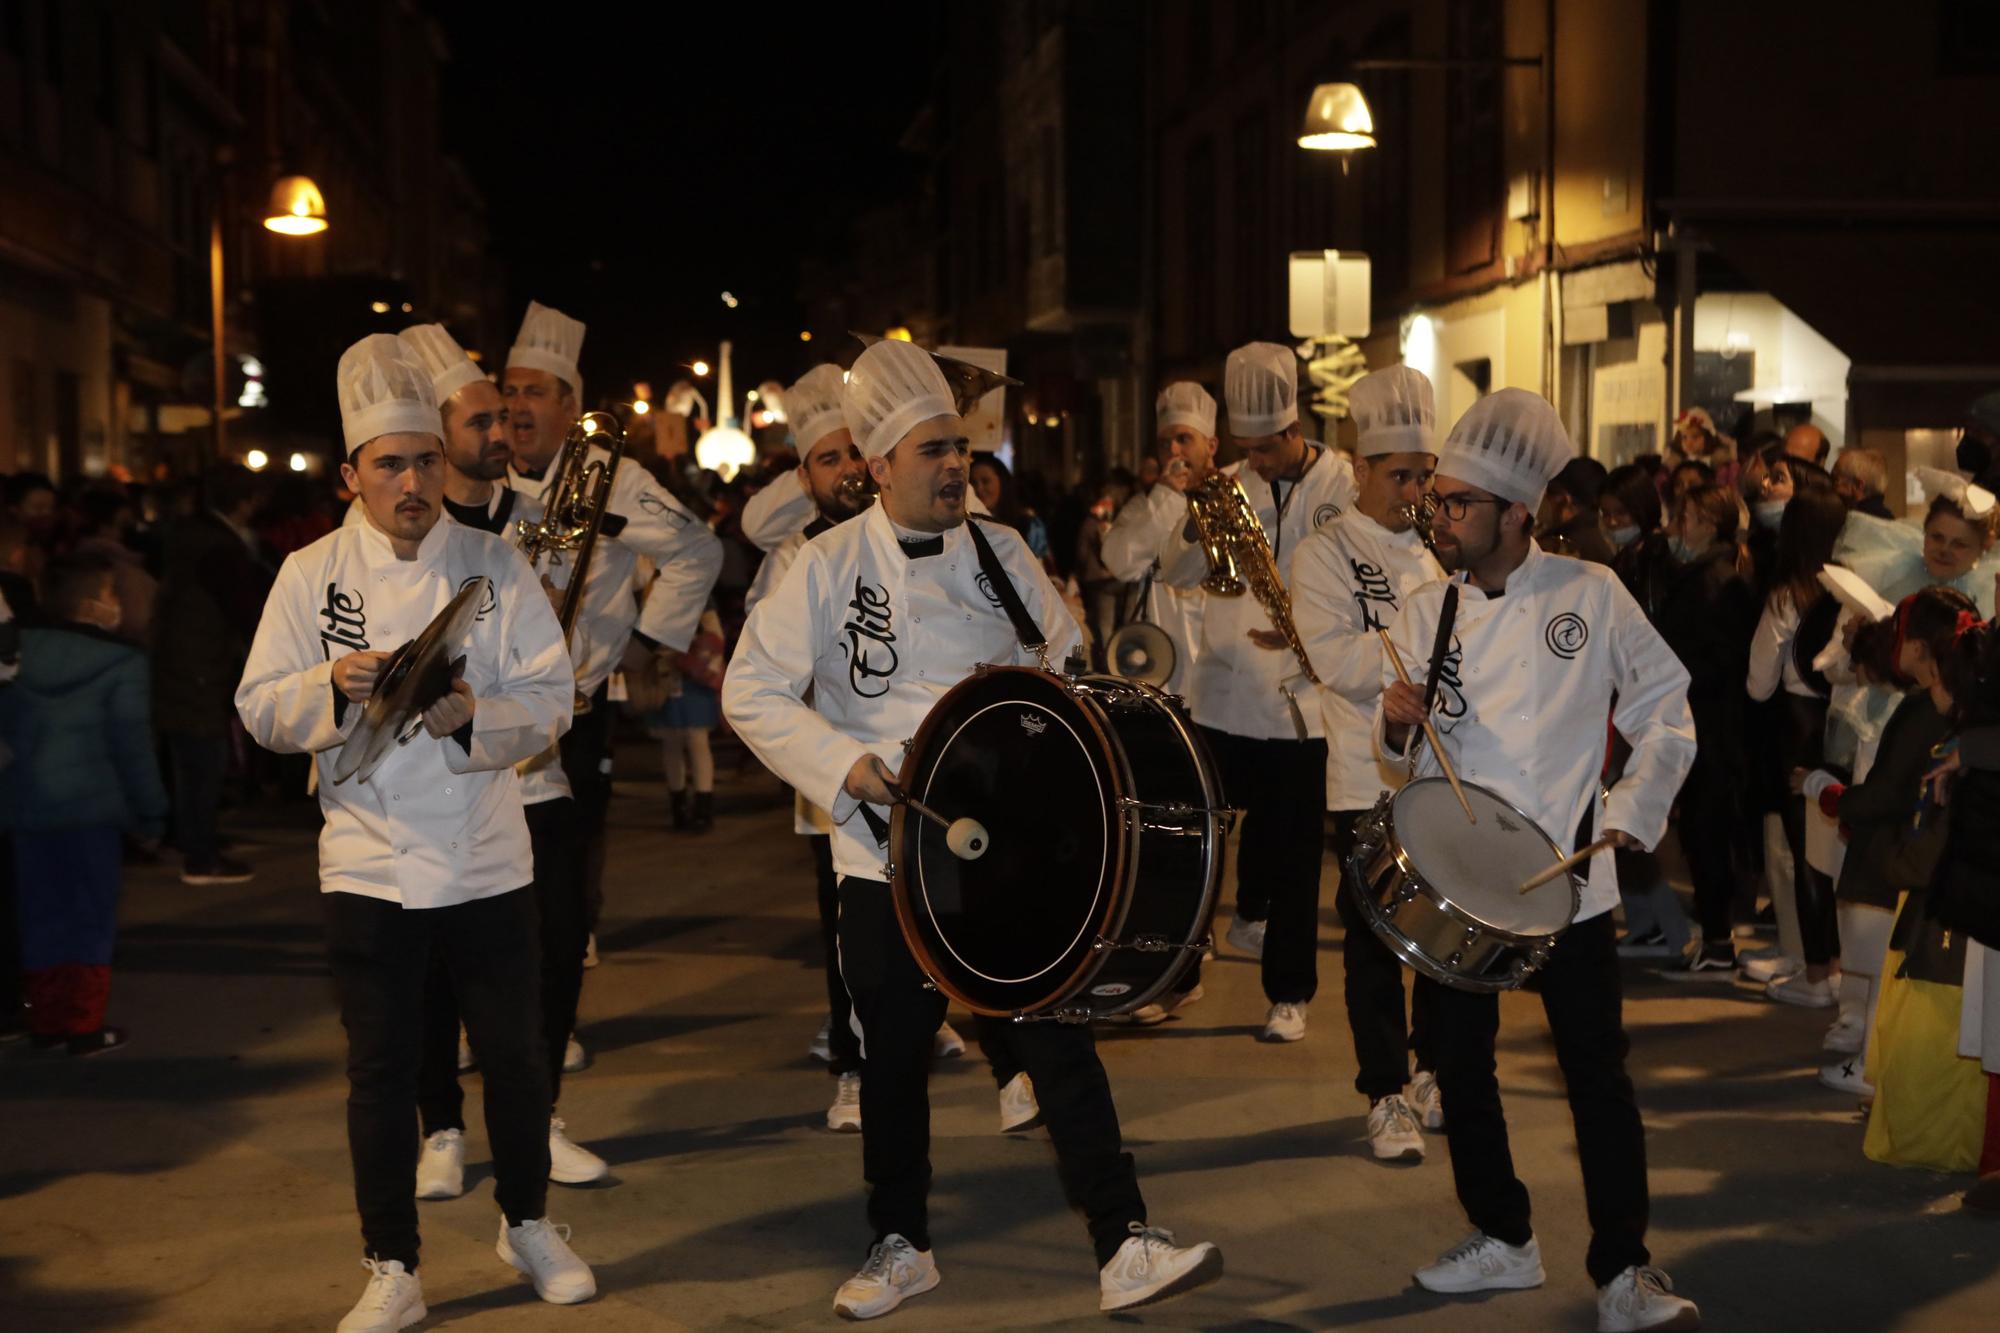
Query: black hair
x=74 y=580
x=1806 y=536
x=1632 y=486
x=22 y=485
x=1582 y=480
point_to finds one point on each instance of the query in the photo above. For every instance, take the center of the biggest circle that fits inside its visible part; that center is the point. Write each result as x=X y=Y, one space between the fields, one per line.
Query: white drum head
x=1479 y=868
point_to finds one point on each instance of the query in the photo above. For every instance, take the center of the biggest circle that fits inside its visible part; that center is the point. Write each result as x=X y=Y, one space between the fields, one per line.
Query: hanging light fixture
x=1337 y=119
x=297 y=208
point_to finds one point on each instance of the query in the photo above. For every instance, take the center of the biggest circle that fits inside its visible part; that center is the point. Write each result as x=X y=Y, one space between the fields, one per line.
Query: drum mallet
x=966 y=839
x=1430 y=732
x=1568 y=863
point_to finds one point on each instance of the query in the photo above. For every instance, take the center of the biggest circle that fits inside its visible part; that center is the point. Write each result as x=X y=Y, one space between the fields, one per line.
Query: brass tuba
x=573 y=511
x=1239 y=556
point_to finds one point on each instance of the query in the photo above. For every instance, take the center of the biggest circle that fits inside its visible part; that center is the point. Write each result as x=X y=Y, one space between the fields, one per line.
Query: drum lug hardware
x=1068 y=1014
x=1455 y=959
x=1145 y=944
x=1472 y=934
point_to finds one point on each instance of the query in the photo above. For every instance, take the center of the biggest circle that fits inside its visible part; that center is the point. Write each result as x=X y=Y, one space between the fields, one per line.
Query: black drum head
x=1007 y=931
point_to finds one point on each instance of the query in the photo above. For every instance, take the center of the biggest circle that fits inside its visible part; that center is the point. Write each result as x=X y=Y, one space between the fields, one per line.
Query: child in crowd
x=682 y=725
x=77 y=721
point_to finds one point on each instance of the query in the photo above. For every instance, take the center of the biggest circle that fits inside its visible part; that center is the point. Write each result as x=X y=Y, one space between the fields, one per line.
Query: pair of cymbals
x=416 y=675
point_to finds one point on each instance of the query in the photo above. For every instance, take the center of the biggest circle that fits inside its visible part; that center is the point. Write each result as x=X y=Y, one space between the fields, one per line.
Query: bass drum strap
x=1025 y=628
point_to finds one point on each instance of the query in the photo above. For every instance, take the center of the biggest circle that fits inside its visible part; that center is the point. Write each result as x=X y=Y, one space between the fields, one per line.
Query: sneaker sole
x=1684 y=1322
x=1280 y=1038
x=1502 y=1282
x=860 y=1312
x=437 y=1192
x=555 y=1179
x=1402 y=1157
x=844 y=1127
x=513 y=1261
x=1032 y=1122
x=1204 y=1272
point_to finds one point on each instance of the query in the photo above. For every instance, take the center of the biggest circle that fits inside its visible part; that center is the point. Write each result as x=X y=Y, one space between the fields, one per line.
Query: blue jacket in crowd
x=77 y=723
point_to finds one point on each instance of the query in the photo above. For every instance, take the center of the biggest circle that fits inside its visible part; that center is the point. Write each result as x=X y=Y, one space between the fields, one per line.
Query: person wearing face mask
x=77 y=721
x=1569 y=522
x=1629 y=506
x=1347 y=583
x=1707 y=617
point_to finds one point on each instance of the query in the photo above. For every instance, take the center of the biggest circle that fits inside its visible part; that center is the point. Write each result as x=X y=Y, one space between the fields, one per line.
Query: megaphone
x=1142 y=651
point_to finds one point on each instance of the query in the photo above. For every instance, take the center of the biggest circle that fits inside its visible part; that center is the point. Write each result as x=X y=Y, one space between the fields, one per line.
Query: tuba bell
x=573 y=512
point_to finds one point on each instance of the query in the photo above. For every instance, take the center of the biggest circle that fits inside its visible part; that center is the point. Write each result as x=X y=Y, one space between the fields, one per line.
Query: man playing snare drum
x=1544 y=651
x=848 y=621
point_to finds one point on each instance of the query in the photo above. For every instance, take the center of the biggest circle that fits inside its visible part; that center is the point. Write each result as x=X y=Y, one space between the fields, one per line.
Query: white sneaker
x=1246 y=937
x=1806 y=994
x=821 y=1048
x=1481 y=1263
x=590 y=950
x=1847 y=1035
x=1846 y=1077
x=1775 y=967
x=947 y=1045
x=1156 y=1013
x=392 y=1299
x=1150 y=1267
x=1018 y=1108
x=575 y=1058
x=540 y=1249
x=845 y=1113
x=1285 y=1022
x=570 y=1164
x=465 y=1060
x=896 y=1270
x=441 y=1166
x=1427 y=1101
x=1393 y=1132
x=1643 y=1298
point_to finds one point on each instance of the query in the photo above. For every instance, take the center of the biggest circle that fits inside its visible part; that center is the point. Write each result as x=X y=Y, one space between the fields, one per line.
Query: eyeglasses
x=1455 y=506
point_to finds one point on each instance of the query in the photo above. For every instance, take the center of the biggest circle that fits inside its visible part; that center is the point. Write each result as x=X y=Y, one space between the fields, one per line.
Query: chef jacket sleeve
x=779 y=510
x=286 y=697
x=535 y=701
x=1132 y=543
x=1183 y=563
x=763 y=691
x=1652 y=714
x=1345 y=651
x=689 y=556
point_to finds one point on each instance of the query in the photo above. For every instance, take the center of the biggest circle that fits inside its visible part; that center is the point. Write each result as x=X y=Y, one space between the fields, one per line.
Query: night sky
x=717 y=145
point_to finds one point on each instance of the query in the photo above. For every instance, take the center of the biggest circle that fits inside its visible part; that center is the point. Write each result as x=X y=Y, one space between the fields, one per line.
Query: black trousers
x=1281 y=787
x=558 y=887
x=1581 y=995
x=840 y=1035
x=996 y=1042
x=586 y=761
x=1707 y=827
x=380 y=955
x=1372 y=984
x=899 y=1017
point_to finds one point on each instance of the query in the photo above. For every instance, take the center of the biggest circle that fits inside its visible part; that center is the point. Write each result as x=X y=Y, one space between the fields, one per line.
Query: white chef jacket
x=640 y=518
x=878 y=638
x=436 y=824
x=1131 y=549
x=1238 y=687
x=1347 y=582
x=542 y=777
x=1526 y=692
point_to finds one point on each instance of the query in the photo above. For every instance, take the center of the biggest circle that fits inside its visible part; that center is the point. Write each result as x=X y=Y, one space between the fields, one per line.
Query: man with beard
x=1543 y=651
x=476 y=453
x=908 y=573
x=429 y=854
x=544 y=395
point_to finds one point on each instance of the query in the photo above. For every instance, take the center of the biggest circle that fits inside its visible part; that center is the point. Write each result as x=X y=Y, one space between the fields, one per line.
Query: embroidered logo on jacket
x=871 y=641
x=1325 y=514
x=1566 y=635
x=1372 y=593
x=346 y=627
x=488 y=603
x=985 y=586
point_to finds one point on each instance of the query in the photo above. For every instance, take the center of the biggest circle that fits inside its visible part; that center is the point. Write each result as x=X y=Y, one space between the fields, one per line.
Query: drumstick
x=1430 y=732
x=1569 y=862
x=965 y=838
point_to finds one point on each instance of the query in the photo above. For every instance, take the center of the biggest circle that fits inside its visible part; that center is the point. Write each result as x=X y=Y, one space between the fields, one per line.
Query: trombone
x=573 y=512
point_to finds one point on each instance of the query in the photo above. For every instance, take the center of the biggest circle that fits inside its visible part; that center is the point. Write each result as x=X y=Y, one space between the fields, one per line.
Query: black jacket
x=1707 y=616
x=1878 y=812
x=212 y=592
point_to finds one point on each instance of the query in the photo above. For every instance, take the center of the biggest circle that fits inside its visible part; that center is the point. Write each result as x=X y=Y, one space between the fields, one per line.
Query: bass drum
x=1106 y=821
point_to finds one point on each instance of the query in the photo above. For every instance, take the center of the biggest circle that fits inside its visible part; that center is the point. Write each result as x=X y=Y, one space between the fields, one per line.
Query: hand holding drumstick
x=1403 y=704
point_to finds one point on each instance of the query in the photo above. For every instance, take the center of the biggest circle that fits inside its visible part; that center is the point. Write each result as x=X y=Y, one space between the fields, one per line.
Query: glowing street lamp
x=297 y=207
x=700 y=369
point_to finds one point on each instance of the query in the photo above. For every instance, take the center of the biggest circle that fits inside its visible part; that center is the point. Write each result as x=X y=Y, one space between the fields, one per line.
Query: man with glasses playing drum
x=879 y=617
x=1543 y=652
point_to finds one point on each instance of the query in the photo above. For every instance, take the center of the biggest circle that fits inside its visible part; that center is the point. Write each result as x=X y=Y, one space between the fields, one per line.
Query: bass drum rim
x=1118 y=836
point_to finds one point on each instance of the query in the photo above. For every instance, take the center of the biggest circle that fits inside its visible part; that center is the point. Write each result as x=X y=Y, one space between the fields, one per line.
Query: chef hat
x=384 y=389
x=814 y=405
x=1510 y=443
x=1185 y=403
x=1394 y=413
x=439 y=353
x=549 y=340
x=1975 y=502
x=1261 y=382
x=893 y=387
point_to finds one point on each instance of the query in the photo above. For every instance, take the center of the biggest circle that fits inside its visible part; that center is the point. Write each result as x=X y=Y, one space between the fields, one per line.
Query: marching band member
x=544 y=396
x=1544 y=650
x=431 y=852
x=1349 y=579
x=1184 y=431
x=848 y=624
x=475 y=459
x=1250 y=696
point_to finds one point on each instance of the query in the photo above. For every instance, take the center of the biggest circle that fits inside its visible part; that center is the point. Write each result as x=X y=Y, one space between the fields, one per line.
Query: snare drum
x=1444 y=894
x=1106 y=821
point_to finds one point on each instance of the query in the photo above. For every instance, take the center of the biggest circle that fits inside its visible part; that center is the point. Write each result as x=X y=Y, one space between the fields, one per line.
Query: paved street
x=199 y=1180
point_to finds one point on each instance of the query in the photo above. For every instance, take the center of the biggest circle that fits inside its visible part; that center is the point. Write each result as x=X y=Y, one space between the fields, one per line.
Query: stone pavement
x=199 y=1180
